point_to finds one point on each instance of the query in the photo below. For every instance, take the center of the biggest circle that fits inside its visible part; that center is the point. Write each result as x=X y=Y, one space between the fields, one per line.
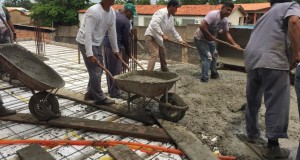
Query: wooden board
x=120 y=109
x=257 y=148
x=149 y=133
x=187 y=141
x=34 y=152
x=122 y=152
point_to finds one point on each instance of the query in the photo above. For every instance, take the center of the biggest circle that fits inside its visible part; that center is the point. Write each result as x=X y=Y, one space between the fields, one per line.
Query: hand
x=236 y=45
x=165 y=38
x=117 y=55
x=212 y=39
x=184 y=43
x=93 y=59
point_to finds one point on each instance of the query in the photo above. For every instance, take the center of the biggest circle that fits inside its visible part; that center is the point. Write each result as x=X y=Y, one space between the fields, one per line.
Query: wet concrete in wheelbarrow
x=215 y=112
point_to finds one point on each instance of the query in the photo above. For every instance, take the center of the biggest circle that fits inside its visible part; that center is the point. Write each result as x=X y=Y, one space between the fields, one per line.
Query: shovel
x=230 y=45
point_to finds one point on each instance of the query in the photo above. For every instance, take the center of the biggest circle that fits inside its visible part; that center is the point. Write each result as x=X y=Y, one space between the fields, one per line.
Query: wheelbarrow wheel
x=44 y=109
x=172 y=114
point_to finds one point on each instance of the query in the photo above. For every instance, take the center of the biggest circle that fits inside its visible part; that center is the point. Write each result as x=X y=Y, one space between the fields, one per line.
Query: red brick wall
x=28 y=34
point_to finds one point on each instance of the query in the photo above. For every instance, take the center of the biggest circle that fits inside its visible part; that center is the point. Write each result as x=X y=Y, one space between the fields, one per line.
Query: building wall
x=29 y=34
x=235 y=17
x=143 y=20
x=18 y=18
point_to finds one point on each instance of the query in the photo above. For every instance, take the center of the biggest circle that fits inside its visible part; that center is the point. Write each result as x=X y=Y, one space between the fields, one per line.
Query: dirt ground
x=215 y=112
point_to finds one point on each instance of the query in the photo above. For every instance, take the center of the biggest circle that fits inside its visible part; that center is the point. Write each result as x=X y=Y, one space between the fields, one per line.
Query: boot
x=6 y=112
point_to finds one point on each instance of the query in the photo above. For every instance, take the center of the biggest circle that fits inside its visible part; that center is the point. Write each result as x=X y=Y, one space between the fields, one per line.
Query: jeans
x=208 y=61
x=297 y=89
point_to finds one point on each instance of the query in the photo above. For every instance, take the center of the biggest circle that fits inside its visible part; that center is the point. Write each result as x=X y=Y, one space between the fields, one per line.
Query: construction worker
x=98 y=19
x=267 y=62
x=205 y=39
x=162 y=22
x=112 y=63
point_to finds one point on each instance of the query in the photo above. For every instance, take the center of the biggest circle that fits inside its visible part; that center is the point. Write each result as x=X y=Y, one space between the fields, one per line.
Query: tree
x=58 y=12
x=213 y=2
x=161 y=2
x=142 y=2
x=27 y=4
x=191 y=2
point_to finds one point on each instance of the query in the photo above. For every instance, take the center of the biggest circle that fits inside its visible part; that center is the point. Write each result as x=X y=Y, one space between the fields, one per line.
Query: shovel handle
x=182 y=44
x=230 y=45
x=137 y=62
x=106 y=71
x=125 y=64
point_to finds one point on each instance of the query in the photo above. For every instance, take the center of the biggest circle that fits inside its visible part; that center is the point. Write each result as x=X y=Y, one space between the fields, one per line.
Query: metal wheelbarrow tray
x=35 y=75
x=152 y=84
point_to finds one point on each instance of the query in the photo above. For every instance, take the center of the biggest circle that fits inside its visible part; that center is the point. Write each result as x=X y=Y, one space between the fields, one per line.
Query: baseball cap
x=174 y=3
x=131 y=7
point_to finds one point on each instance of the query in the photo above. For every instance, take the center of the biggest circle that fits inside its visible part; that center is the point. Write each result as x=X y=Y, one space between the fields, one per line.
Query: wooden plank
x=120 y=109
x=122 y=152
x=149 y=133
x=187 y=141
x=34 y=152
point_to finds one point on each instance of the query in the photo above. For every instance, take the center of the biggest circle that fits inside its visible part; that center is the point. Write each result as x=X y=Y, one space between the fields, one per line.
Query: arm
x=204 y=29
x=294 y=36
x=89 y=26
x=173 y=31
x=112 y=35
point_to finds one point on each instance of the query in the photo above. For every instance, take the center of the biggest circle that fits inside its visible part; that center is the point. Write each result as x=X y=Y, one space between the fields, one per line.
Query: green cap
x=131 y=7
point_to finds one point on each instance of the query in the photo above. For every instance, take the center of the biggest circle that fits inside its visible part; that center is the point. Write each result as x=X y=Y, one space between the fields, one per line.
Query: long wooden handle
x=107 y=72
x=230 y=45
x=125 y=64
x=182 y=44
x=137 y=62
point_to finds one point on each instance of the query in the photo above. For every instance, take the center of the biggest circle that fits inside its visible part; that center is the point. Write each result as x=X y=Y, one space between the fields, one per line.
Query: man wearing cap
x=205 y=39
x=98 y=19
x=162 y=22
x=123 y=34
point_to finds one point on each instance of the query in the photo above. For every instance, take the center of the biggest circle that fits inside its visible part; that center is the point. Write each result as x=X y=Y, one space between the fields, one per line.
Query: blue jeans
x=206 y=50
x=297 y=89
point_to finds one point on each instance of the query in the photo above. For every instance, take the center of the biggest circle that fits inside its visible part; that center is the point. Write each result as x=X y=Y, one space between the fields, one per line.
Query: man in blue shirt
x=112 y=63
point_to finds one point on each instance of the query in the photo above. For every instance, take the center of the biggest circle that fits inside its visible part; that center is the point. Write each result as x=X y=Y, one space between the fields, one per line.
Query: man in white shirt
x=98 y=19
x=161 y=23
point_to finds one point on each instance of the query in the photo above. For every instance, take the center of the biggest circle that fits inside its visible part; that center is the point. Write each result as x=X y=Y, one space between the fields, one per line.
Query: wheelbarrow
x=152 y=84
x=35 y=75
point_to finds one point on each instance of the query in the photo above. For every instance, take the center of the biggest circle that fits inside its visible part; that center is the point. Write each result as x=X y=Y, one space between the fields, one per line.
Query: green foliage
x=213 y=2
x=18 y=3
x=161 y=2
x=191 y=2
x=58 y=12
x=250 y=1
x=142 y=2
x=120 y=1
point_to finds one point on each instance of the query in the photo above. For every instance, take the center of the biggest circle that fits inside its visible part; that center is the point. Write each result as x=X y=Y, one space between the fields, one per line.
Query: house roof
x=184 y=10
x=255 y=6
x=20 y=9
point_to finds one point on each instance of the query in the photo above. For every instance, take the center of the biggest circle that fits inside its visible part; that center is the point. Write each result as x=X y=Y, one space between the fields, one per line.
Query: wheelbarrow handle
x=107 y=72
x=137 y=62
x=125 y=64
x=230 y=45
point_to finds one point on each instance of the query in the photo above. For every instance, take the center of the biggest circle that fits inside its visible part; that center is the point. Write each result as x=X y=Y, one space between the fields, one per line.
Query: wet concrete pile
x=216 y=113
